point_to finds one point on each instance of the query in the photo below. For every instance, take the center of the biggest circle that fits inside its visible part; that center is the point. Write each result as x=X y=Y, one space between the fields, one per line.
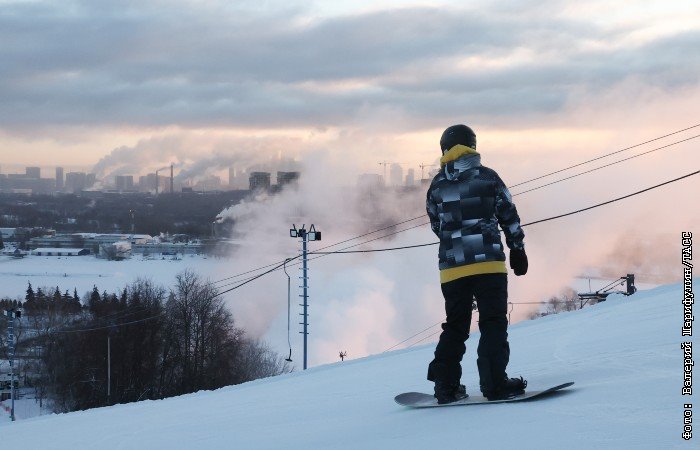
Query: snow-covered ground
x=25 y=408
x=82 y=272
x=624 y=356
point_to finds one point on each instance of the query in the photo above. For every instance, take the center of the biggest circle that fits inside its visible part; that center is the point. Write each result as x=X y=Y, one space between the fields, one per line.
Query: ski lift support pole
x=305 y=236
x=11 y=316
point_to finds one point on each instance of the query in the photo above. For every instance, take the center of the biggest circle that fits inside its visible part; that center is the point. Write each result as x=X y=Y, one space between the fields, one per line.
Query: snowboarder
x=466 y=202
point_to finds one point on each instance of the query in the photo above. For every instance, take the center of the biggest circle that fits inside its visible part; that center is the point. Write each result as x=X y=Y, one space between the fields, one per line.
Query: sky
x=381 y=79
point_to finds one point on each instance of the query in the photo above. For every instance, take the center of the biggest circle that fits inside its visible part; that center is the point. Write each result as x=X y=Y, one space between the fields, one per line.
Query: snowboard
x=421 y=400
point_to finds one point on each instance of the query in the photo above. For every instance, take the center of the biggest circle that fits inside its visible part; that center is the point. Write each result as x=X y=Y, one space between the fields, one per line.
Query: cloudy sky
x=381 y=79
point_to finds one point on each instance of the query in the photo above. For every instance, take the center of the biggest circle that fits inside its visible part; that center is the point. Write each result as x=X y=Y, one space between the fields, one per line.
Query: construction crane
x=422 y=167
x=385 y=163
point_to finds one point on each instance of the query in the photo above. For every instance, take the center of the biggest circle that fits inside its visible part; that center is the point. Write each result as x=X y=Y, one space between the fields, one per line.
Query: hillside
x=624 y=356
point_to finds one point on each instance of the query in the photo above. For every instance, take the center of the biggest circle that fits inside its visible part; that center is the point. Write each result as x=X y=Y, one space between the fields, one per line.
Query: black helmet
x=457 y=134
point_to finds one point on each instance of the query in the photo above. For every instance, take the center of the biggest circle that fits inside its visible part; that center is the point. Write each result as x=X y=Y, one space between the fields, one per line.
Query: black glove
x=518 y=261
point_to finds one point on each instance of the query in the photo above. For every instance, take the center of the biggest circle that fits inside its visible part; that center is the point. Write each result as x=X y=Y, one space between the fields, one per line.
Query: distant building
x=58 y=241
x=8 y=234
x=60 y=252
x=370 y=181
x=259 y=181
x=396 y=174
x=167 y=248
x=211 y=183
x=92 y=241
x=162 y=183
x=76 y=181
x=26 y=184
x=231 y=177
x=411 y=177
x=33 y=172
x=59 y=179
x=124 y=182
x=148 y=183
x=90 y=180
x=98 y=242
x=285 y=178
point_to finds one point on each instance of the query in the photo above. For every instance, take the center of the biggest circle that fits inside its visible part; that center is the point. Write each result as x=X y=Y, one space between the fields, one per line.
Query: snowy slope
x=624 y=356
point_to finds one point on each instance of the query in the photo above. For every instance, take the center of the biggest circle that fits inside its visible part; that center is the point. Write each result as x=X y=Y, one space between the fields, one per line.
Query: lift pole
x=305 y=236
x=11 y=316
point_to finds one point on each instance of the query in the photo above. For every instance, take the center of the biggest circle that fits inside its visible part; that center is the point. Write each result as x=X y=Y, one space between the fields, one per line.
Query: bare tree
x=201 y=342
x=258 y=360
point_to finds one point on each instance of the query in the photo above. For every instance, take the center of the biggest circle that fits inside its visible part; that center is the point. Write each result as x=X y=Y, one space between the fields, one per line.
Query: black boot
x=449 y=392
x=507 y=389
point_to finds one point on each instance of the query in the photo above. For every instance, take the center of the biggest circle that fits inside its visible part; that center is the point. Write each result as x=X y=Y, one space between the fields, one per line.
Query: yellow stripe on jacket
x=453 y=273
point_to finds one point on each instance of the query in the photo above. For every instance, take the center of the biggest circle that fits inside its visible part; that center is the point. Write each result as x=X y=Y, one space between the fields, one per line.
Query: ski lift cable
x=284 y=263
x=412 y=336
x=321 y=254
x=606 y=165
x=109 y=326
x=615 y=199
x=439 y=323
x=326 y=247
x=117 y=316
x=253 y=277
x=347 y=240
x=605 y=155
x=289 y=309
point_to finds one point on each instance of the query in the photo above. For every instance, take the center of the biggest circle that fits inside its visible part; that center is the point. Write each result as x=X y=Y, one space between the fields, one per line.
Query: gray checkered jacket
x=466 y=203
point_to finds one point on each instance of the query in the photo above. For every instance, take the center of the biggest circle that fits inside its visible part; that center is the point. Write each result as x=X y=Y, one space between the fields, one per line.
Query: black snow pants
x=491 y=293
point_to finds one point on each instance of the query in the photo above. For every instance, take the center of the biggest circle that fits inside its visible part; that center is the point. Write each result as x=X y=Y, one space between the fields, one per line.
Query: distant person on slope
x=466 y=203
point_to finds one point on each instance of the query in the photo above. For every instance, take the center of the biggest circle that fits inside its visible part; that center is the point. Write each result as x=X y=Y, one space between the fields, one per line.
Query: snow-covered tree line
x=162 y=343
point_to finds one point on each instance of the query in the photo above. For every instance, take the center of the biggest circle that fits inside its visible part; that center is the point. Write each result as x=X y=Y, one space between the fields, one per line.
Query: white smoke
x=195 y=157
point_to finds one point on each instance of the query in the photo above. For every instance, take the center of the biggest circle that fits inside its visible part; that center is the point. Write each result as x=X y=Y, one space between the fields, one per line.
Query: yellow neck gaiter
x=456 y=152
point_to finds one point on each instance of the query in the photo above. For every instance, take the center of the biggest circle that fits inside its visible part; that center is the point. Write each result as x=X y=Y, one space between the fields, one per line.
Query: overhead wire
x=243 y=283
x=289 y=310
x=439 y=323
x=607 y=165
x=615 y=199
x=605 y=155
x=109 y=326
x=326 y=247
x=412 y=336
